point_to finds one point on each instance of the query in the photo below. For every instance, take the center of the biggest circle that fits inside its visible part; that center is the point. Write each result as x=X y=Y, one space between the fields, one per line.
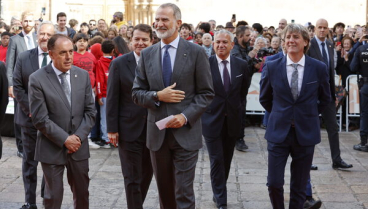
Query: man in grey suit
x=24 y=41
x=173 y=78
x=63 y=111
x=322 y=50
x=27 y=63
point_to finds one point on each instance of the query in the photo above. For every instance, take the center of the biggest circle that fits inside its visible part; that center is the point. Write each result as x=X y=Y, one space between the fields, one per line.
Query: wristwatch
x=155 y=97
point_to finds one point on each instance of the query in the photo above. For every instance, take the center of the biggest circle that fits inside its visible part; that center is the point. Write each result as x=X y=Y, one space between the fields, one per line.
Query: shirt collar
x=319 y=41
x=58 y=72
x=40 y=52
x=136 y=56
x=219 y=60
x=173 y=44
x=301 y=61
x=29 y=34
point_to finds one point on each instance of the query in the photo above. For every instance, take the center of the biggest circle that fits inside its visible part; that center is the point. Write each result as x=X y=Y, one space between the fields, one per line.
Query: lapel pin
x=76 y=76
x=185 y=55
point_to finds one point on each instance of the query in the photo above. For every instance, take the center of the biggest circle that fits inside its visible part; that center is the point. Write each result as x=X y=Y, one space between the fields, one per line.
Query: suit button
x=72 y=117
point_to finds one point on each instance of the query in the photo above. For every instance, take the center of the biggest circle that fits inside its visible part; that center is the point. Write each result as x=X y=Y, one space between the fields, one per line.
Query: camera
x=266 y=52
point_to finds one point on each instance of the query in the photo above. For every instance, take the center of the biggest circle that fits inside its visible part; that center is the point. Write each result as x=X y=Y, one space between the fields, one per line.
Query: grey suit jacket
x=27 y=63
x=192 y=74
x=55 y=118
x=315 y=53
x=16 y=46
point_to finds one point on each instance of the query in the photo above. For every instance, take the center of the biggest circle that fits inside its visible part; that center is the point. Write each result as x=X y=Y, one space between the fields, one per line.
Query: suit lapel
x=284 y=78
x=215 y=71
x=51 y=75
x=316 y=49
x=73 y=86
x=156 y=66
x=132 y=64
x=306 y=75
x=180 y=60
x=33 y=57
x=22 y=42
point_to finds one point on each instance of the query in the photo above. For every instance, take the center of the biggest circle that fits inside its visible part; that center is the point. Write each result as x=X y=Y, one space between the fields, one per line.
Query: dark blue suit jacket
x=275 y=56
x=276 y=97
x=229 y=103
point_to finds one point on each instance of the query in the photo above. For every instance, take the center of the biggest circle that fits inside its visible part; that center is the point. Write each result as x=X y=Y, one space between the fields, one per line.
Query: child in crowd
x=5 y=37
x=87 y=61
x=102 y=72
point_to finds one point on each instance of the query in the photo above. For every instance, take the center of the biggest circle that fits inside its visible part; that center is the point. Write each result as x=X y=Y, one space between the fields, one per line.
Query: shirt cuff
x=186 y=119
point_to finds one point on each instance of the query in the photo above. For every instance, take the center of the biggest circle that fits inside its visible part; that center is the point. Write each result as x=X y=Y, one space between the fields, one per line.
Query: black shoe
x=341 y=164
x=263 y=126
x=29 y=206
x=20 y=154
x=314 y=167
x=312 y=204
x=222 y=207
x=361 y=147
x=240 y=145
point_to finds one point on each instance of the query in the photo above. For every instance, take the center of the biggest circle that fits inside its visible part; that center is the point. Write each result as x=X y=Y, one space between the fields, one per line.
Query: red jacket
x=87 y=62
x=102 y=72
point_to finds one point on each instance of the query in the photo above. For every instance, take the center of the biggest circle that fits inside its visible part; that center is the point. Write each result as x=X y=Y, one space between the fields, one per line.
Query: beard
x=166 y=34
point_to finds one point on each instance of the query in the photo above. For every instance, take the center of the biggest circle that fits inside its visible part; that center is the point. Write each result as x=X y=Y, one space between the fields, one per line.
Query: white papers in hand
x=161 y=124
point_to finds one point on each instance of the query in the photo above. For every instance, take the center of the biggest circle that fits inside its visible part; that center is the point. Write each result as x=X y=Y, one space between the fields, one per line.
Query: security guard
x=360 y=63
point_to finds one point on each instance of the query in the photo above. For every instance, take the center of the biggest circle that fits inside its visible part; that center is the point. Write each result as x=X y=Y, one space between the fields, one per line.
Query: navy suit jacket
x=275 y=56
x=229 y=103
x=276 y=97
x=122 y=115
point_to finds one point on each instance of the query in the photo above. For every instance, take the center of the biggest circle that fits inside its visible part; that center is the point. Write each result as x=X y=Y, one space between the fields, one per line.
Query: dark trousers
x=17 y=130
x=364 y=111
x=329 y=119
x=29 y=165
x=220 y=151
x=302 y=157
x=77 y=173
x=137 y=170
x=96 y=129
x=174 y=169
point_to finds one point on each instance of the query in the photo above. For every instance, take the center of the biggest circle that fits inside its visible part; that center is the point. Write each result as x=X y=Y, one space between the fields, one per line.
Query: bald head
x=321 y=29
x=282 y=24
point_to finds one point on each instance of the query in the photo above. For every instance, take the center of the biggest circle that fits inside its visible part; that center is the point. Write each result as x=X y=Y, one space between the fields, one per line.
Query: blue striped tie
x=166 y=67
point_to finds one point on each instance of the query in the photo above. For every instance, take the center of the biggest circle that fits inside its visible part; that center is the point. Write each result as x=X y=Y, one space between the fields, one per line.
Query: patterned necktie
x=294 y=82
x=324 y=54
x=226 y=76
x=30 y=43
x=44 y=61
x=65 y=86
x=166 y=67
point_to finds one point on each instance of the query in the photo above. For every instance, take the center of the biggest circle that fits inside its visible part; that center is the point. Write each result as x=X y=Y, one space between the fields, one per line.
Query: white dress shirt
x=172 y=51
x=58 y=72
x=290 y=69
x=320 y=47
x=221 y=67
x=40 y=57
x=136 y=57
x=25 y=37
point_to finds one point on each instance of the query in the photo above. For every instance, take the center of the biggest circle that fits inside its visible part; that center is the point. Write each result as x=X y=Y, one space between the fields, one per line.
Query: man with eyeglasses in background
x=92 y=27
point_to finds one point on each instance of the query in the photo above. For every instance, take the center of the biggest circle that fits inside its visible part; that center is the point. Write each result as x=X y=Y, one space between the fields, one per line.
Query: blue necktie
x=226 y=77
x=324 y=54
x=166 y=67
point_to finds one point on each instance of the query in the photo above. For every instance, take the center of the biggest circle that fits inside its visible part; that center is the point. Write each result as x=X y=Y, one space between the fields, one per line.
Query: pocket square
x=312 y=82
x=239 y=75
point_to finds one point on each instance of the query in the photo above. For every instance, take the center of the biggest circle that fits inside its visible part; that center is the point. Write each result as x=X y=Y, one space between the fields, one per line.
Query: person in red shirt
x=102 y=72
x=87 y=61
x=5 y=37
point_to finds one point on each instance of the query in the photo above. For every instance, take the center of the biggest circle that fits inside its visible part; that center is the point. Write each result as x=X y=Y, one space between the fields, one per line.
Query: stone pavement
x=246 y=185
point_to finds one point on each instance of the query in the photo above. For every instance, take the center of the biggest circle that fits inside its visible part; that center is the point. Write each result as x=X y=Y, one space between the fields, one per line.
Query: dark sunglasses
x=92 y=24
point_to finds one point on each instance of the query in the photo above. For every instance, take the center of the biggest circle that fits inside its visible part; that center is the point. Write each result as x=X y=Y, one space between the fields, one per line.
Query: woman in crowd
x=123 y=32
x=121 y=47
x=111 y=33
